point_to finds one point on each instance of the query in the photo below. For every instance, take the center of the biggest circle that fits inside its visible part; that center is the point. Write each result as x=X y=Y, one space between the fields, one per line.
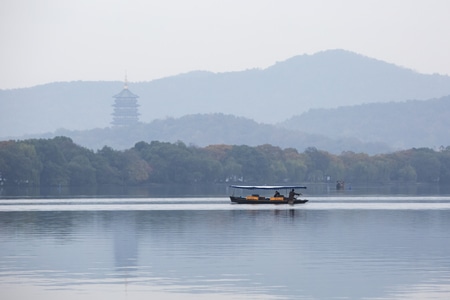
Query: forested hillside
x=206 y=129
x=401 y=125
x=60 y=162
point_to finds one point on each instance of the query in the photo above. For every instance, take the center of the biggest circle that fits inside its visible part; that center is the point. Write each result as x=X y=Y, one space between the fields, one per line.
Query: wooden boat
x=256 y=198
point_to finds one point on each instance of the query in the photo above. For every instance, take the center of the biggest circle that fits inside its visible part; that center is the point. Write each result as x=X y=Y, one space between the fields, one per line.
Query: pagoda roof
x=126 y=93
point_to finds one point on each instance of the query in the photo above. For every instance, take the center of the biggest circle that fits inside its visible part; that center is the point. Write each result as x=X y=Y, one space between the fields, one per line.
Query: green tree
x=232 y=170
x=54 y=171
x=108 y=164
x=357 y=166
x=407 y=174
x=19 y=163
x=254 y=165
x=444 y=172
x=168 y=162
x=81 y=171
x=295 y=165
x=318 y=164
x=426 y=164
x=336 y=169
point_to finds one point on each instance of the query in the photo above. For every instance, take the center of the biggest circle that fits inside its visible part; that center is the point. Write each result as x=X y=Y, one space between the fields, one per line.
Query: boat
x=340 y=185
x=276 y=198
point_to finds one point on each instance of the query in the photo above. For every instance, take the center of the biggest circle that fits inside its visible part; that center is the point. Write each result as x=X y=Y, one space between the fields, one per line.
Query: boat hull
x=243 y=200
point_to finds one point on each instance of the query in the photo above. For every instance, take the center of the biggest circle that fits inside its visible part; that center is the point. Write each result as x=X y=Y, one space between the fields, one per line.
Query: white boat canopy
x=267 y=187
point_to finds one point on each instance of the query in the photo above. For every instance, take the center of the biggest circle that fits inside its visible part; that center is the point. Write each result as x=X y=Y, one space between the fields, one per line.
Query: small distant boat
x=277 y=198
x=340 y=185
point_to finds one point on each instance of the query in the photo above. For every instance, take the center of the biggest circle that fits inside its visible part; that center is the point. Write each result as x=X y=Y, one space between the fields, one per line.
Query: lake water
x=343 y=247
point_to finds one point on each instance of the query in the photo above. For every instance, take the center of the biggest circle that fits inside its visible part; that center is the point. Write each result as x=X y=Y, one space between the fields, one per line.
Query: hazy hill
x=327 y=79
x=72 y=105
x=207 y=129
x=399 y=124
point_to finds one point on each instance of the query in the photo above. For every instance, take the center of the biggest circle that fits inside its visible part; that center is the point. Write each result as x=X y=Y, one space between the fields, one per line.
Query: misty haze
x=224 y=150
x=324 y=96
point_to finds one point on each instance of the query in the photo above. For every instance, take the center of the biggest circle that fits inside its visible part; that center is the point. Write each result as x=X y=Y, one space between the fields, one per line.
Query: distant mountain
x=327 y=79
x=208 y=129
x=70 y=105
x=400 y=125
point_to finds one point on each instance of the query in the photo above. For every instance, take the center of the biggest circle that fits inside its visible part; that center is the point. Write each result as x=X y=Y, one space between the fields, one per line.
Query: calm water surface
x=207 y=248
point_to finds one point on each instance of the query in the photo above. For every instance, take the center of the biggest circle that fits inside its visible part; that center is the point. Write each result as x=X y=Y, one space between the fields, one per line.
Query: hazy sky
x=59 y=40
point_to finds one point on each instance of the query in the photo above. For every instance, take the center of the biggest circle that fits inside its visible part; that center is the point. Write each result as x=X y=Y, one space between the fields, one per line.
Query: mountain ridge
x=412 y=123
x=210 y=129
x=327 y=79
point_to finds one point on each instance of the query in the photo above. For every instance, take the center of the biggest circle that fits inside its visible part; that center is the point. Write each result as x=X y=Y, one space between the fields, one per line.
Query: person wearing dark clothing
x=292 y=194
x=277 y=194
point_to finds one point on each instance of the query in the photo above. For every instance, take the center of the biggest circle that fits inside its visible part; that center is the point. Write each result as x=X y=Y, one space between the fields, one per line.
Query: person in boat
x=292 y=194
x=277 y=194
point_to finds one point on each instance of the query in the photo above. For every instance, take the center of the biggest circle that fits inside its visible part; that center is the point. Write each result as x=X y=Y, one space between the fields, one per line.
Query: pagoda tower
x=125 y=107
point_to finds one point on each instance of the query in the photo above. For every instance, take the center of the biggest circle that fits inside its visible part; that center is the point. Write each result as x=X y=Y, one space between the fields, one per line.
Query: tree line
x=61 y=162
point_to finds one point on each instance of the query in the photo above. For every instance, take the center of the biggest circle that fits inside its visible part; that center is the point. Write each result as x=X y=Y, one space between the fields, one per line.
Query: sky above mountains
x=60 y=40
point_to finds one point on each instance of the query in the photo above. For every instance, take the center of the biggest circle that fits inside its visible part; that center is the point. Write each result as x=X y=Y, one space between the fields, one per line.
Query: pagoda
x=125 y=108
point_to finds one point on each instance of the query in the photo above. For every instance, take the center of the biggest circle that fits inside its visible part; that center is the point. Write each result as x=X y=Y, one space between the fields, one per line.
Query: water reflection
x=217 y=190
x=151 y=190
x=271 y=253
x=125 y=243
